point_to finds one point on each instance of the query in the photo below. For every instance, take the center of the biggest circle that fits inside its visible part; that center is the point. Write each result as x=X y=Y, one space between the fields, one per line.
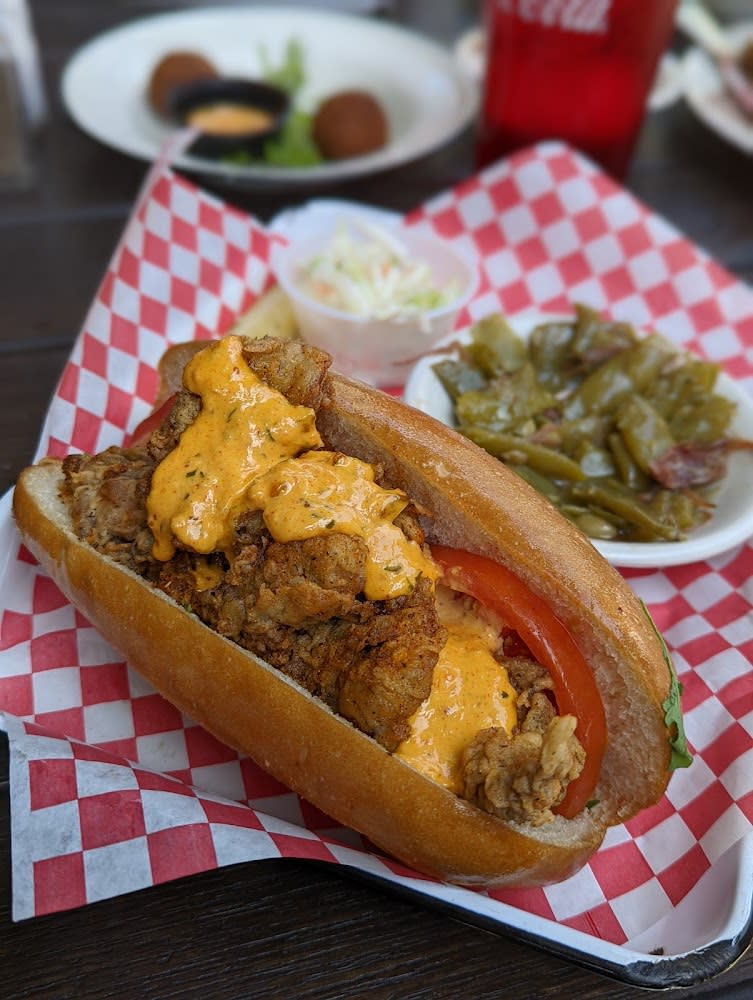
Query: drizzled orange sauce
x=243 y=429
x=250 y=448
x=229 y=119
x=470 y=692
x=324 y=491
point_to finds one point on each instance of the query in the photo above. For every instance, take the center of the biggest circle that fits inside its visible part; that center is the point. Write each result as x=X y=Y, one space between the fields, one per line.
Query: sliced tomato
x=550 y=642
x=152 y=422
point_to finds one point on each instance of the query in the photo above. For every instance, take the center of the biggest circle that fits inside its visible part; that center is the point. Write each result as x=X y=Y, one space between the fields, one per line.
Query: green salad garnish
x=293 y=146
x=681 y=756
x=290 y=75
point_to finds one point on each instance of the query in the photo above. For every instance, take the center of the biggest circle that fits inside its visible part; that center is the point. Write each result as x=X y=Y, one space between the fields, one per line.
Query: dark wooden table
x=274 y=929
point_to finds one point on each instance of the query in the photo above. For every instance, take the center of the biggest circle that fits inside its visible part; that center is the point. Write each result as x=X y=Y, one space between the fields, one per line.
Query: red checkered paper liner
x=114 y=790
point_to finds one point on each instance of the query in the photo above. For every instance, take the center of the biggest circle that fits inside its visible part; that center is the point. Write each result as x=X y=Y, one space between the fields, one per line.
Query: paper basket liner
x=114 y=790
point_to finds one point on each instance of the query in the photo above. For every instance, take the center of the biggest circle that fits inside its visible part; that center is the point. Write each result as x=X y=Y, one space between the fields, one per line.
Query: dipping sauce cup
x=378 y=345
x=575 y=70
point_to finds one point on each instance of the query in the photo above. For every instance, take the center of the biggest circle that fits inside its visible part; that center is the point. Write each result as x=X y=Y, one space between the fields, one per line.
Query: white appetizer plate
x=426 y=96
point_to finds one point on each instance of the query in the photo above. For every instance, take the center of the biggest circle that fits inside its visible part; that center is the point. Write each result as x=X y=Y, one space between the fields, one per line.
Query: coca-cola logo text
x=588 y=16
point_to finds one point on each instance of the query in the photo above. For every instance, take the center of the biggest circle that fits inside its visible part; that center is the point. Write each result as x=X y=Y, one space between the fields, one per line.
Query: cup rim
x=281 y=267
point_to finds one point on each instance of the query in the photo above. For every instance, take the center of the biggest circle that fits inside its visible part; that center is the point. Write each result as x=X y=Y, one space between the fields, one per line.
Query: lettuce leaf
x=681 y=756
x=290 y=75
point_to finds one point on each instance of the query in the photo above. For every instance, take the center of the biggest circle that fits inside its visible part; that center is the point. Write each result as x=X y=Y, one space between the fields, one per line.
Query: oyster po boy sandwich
x=376 y=611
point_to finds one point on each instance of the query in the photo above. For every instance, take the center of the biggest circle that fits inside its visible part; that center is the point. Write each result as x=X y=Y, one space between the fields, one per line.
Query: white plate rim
x=667 y=87
x=429 y=65
x=708 y=541
x=704 y=91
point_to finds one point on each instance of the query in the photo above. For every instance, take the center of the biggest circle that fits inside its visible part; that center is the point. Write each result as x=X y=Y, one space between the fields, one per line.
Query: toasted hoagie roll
x=380 y=614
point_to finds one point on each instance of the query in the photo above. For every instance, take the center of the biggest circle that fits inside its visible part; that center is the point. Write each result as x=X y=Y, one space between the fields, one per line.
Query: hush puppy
x=349 y=123
x=175 y=70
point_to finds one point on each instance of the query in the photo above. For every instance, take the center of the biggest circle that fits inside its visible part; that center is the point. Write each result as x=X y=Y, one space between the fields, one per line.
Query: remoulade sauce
x=470 y=692
x=251 y=449
x=229 y=119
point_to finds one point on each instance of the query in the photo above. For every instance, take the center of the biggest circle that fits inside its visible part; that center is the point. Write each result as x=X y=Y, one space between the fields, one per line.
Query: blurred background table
x=276 y=929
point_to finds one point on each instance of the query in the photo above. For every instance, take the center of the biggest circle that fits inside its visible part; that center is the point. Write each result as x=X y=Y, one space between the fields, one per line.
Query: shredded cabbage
x=374 y=277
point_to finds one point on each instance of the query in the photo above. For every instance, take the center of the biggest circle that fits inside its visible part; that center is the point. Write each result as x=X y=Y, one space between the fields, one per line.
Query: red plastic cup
x=576 y=70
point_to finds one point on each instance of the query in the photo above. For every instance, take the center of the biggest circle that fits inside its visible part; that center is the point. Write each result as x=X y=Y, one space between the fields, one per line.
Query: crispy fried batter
x=295 y=369
x=292 y=368
x=108 y=506
x=524 y=776
x=299 y=605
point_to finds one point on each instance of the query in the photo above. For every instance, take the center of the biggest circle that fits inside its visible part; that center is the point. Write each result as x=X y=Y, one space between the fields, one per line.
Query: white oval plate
x=732 y=521
x=426 y=96
x=707 y=96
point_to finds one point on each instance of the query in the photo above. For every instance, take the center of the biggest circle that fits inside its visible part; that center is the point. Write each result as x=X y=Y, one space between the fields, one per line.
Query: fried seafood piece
x=399 y=645
x=300 y=606
x=164 y=438
x=106 y=495
x=523 y=776
x=528 y=678
x=293 y=368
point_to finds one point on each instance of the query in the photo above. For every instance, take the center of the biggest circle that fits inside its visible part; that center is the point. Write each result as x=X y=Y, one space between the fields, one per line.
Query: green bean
x=705 y=423
x=458 y=377
x=598 y=420
x=646 y=359
x=595 y=527
x=594 y=521
x=481 y=408
x=594 y=461
x=644 y=431
x=677 y=509
x=593 y=429
x=623 y=375
x=505 y=401
x=685 y=397
x=495 y=347
x=604 y=389
x=520 y=451
x=595 y=340
x=685 y=385
x=618 y=499
x=627 y=470
x=550 y=350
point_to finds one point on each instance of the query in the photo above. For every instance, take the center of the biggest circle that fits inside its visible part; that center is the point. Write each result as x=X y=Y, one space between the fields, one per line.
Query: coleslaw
x=368 y=271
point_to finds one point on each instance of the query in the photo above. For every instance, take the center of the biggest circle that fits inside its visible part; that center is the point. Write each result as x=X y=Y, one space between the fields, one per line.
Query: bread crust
x=469 y=501
x=475 y=502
